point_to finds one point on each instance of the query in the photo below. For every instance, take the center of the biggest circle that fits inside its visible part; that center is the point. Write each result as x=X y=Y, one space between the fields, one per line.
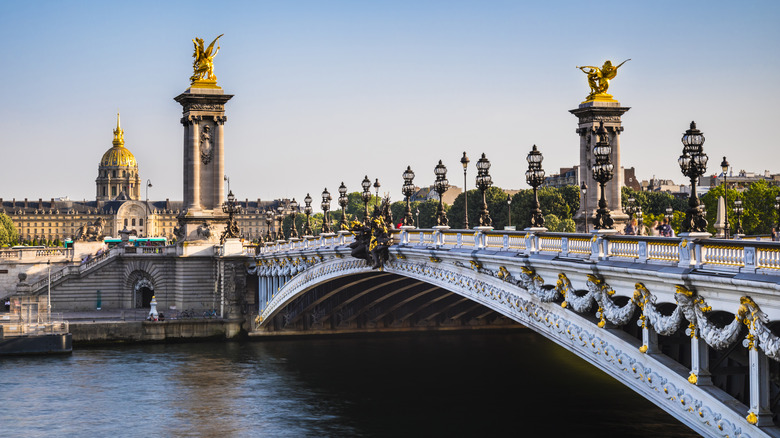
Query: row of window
x=104 y=174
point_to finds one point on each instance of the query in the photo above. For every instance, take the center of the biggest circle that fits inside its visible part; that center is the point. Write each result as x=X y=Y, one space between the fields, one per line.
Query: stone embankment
x=130 y=326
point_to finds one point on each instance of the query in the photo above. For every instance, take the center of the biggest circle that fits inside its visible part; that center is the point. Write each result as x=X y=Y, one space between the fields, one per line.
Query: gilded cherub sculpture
x=598 y=79
x=203 y=65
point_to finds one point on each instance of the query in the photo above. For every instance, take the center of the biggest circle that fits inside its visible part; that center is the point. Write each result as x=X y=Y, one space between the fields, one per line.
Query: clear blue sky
x=327 y=91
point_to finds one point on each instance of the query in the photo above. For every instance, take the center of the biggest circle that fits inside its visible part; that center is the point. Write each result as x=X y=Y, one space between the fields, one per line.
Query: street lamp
x=269 y=217
x=225 y=178
x=631 y=208
x=724 y=165
x=602 y=173
x=366 y=184
x=777 y=207
x=231 y=230
x=343 y=200
x=376 y=186
x=738 y=211
x=307 y=211
x=280 y=218
x=693 y=164
x=408 y=191
x=293 y=212
x=325 y=212
x=585 y=214
x=509 y=211
x=534 y=176
x=484 y=181
x=465 y=162
x=669 y=214
x=48 y=293
x=417 y=213
x=640 y=221
x=148 y=185
x=440 y=186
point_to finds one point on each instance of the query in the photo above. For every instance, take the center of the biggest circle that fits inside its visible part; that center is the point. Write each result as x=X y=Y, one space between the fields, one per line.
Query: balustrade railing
x=751 y=255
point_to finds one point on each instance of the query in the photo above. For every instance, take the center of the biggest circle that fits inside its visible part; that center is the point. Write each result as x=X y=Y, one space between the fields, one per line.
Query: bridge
x=685 y=322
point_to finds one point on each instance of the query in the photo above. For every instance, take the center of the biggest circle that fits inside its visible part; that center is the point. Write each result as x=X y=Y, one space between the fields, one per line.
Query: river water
x=432 y=384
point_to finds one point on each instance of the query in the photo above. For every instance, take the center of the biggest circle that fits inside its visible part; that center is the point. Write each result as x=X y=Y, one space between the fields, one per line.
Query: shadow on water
x=439 y=384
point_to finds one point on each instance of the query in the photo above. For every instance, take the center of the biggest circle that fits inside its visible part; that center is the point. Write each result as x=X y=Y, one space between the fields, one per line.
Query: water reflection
x=441 y=384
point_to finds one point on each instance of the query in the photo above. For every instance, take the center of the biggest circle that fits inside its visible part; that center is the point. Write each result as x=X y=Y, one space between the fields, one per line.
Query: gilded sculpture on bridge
x=598 y=80
x=372 y=238
x=203 y=65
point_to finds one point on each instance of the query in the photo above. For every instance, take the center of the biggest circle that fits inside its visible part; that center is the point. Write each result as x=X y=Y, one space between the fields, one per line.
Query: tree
x=456 y=214
x=8 y=233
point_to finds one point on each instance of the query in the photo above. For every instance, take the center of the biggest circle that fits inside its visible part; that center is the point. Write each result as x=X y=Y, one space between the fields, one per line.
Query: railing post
x=564 y=246
x=505 y=243
x=642 y=251
x=595 y=247
x=649 y=340
x=759 y=413
x=459 y=243
x=700 y=361
x=530 y=243
x=751 y=262
x=479 y=240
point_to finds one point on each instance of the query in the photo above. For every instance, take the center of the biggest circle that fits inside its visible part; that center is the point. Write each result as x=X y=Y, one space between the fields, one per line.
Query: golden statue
x=598 y=80
x=204 y=63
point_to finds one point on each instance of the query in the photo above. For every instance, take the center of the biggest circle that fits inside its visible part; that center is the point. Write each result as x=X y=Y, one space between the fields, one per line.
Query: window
x=133 y=222
x=141 y=222
x=113 y=173
x=104 y=191
x=125 y=223
x=113 y=191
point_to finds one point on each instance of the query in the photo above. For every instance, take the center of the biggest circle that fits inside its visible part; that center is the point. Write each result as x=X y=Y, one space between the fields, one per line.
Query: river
x=423 y=384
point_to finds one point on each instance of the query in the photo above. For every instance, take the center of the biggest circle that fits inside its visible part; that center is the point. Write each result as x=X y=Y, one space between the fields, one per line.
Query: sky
x=331 y=91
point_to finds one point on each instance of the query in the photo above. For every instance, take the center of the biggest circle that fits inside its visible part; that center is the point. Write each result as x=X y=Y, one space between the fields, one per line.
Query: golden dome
x=118 y=155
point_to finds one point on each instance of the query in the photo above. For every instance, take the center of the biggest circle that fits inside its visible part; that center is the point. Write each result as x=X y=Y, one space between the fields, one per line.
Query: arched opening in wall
x=143 y=293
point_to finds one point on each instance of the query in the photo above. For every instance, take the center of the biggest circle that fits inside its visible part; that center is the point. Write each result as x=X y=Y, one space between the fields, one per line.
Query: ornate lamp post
x=376 y=186
x=293 y=212
x=738 y=210
x=465 y=162
x=326 y=212
x=640 y=223
x=343 y=200
x=602 y=173
x=231 y=231
x=307 y=211
x=417 y=213
x=693 y=164
x=484 y=181
x=669 y=214
x=724 y=165
x=777 y=207
x=440 y=186
x=535 y=177
x=269 y=218
x=585 y=213
x=366 y=184
x=148 y=186
x=408 y=191
x=509 y=211
x=631 y=208
x=280 y=218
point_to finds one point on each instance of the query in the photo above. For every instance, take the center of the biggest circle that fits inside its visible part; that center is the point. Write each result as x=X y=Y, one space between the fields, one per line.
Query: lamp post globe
x=464 y=160
x=408 y=191
x=534 y=176
x=585 y=212
x=307 y=211
x=293 y=212
x=440 y=186
x=724 y=166
x=343 y=201
x=693 y=164
x=325 y=211
x=738 y=210
x=602 y=173
x=484 y=181
x=377 y=186
x=366 y=184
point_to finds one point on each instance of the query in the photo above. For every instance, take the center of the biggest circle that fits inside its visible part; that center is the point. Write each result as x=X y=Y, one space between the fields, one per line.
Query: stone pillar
x=204 y=163
x=589 y=115
x=759 y=413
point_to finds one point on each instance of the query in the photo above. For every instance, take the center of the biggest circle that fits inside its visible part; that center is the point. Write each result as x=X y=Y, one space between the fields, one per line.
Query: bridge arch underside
x=376 y=300
x=340 y=293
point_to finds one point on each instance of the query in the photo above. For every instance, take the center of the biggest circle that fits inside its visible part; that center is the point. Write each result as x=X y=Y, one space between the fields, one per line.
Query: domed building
x=118 y=206
x=118 y=177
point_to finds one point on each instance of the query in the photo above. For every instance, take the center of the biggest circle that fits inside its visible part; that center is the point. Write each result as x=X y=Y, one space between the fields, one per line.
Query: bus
x=136 y=241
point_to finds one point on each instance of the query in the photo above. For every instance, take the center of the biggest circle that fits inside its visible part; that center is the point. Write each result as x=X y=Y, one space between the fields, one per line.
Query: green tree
x=457 y=215
x=8 y=233
x=551 y=201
